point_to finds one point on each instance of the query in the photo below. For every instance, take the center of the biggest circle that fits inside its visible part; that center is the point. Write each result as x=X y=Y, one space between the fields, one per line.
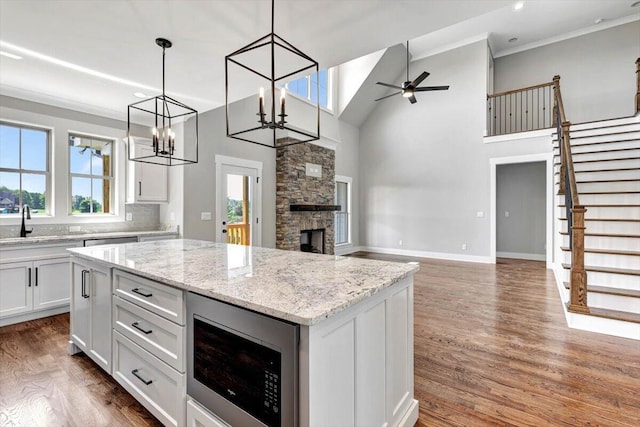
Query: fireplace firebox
x=312 y=241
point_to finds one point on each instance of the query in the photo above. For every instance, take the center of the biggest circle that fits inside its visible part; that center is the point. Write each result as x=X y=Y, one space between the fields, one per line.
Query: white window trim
x=349 y=181
x=7 y=219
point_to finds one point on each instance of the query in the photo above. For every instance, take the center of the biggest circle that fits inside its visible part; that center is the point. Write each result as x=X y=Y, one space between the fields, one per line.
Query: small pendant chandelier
x=267 y=62
x=163 y=131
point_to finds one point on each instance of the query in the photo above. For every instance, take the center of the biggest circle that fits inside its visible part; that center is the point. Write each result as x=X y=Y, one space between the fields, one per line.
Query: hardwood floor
x=491 y=349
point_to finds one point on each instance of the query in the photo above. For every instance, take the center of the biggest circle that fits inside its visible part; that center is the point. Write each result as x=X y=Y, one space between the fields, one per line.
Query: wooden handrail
x=509 y=92
x=637 y=85
x=578 y=280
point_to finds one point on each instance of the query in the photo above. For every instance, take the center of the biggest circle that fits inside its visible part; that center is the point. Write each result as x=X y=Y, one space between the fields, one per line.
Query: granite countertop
x=299 y=287
x=11 y=241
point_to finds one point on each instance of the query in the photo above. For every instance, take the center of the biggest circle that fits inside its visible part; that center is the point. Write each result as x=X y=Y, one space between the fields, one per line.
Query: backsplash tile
x=146 y=217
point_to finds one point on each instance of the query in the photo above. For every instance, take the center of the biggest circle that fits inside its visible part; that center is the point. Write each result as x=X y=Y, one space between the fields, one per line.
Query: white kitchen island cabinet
x=354 y=317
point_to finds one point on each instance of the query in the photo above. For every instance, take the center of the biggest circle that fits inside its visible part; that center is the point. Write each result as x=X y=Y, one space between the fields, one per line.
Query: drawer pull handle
x=139 y=292
x=136 y=325
x=146 y=382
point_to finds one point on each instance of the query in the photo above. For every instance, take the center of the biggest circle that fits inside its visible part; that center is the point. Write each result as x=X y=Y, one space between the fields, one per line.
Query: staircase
x=606 y=159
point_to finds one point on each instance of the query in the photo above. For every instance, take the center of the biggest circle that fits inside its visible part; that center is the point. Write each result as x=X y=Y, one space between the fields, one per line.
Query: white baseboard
x=410 y=418
x=33 y=315
x=425 y=254
x=347 y=249
x=520 y=255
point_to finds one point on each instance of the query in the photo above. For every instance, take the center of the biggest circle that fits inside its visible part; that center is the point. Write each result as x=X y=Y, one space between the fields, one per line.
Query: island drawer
x=155 y=385
x=158 y=298
x=157 y=335
x=197 y=416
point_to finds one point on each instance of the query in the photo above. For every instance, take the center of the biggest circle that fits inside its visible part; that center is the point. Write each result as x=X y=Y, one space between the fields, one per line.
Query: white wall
x=597 y=71
x=521 y=191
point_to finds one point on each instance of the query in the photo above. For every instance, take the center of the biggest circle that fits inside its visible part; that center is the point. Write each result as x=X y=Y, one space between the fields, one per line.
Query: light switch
x=313 y=170
x=205 y=216
x=480 y=214
x=129 y=216
x=506 y=214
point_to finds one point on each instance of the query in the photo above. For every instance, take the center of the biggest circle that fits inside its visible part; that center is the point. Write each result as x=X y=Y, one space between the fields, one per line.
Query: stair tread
x=637 y=236
x=594 y=181
x=602 y=170
x=605 y=205
x=612 y=150
x=614 y=314
x=613 y=270
x=616 y=159
x=605 y=251
x=609 y=192
x=609 y=290
x=586 y=144
x=607 y=219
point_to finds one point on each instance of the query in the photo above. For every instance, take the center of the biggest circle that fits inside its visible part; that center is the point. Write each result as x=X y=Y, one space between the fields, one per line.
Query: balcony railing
x=520 y=110
x=239 y=234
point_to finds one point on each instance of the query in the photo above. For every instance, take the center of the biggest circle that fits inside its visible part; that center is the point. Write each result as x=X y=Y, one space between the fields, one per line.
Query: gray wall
x=521 y=191
x=199 y=179
x=597 y=72
x=62 y=121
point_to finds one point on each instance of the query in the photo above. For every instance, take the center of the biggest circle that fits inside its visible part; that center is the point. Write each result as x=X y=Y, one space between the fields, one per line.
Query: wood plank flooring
x=491 y=349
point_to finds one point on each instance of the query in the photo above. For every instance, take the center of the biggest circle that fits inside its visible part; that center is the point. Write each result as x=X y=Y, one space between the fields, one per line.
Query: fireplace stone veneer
x=294 y=187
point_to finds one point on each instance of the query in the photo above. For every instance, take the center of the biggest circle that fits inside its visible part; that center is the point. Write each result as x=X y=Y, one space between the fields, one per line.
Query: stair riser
x=603 y=146
x=608 y=227
x=581 y=157
x=630 y=262
x=614 y=302
x=582 y=130
x=595 y=166
x=610 y=125
x=618 y=281
x=605 y=199
x=609 y=186
x=618 y=243
x=577 y=139
x=607 y=212
x=609 y=175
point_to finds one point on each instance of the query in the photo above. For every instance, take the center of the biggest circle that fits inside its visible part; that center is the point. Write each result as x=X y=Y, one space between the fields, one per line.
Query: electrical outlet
x=172 y=216
x=74 y=229
x=400 y=242
x=464 y=246
x=506 y=214
x=480 y=214
x=129 y=216
x=205 y=216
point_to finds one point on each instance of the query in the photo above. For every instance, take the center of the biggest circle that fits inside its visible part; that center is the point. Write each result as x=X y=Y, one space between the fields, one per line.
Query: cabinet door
x=80 y=305
x=151 y=180
x=101 y=317
x=16 y=295
x=51 y=283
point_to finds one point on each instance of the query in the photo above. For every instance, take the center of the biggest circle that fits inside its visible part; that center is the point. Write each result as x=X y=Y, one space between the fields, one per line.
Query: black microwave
x=242 y=365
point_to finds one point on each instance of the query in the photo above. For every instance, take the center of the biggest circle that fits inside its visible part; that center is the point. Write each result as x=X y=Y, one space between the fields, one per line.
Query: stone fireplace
x=305 y=195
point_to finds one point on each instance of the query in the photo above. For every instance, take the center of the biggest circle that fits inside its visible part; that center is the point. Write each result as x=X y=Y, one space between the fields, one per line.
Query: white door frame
x=257 y=203
x=542 y=157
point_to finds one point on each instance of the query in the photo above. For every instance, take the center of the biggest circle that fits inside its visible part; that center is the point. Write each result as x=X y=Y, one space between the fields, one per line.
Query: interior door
x=239 y=206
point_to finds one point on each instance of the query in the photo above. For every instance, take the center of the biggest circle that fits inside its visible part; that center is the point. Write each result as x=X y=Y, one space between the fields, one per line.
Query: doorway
x=239 y=202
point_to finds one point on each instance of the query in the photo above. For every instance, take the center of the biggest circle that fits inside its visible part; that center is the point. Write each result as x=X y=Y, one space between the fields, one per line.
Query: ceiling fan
x=409 y=88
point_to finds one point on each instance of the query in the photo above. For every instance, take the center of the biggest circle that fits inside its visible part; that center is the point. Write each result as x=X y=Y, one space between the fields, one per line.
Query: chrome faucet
x=23 y=229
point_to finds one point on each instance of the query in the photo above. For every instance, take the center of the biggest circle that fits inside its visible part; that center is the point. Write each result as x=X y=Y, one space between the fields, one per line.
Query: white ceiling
x=93 y=55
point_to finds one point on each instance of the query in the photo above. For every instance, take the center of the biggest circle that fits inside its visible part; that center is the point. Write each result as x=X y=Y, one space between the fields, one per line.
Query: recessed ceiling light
x=10 y=55
x=635 y=4
x=513 y=40
x=139 y=95
x=519 y=5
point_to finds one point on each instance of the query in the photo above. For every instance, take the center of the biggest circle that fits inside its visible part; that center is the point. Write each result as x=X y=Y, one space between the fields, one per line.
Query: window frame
x=349 y=181
x=48 y=209
x=113 y=182
x=330 y=92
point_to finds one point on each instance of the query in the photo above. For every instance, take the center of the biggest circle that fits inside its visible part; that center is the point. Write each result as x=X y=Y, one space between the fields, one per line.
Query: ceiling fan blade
x=388 y=85
x=412 y=99
x=384 y=97
x=419 y=79
x=429 y=88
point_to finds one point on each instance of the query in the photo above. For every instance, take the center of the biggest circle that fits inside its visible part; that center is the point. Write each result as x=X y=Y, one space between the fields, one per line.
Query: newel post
x=578 y=297
x=637 y=85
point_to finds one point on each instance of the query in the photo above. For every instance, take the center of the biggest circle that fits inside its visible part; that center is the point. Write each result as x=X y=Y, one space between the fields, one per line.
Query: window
x=90 y=174
x=307 y=88
x=343 y=216
x=24 y=168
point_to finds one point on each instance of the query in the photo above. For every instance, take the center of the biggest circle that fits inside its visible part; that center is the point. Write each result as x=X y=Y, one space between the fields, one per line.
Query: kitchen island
x=354 y=322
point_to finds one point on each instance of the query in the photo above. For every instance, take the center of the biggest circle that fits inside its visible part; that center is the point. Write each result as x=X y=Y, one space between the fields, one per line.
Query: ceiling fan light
x=407 y=93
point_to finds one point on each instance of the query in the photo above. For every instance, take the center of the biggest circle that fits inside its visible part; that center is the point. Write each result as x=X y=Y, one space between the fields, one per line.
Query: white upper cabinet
x=146 y=183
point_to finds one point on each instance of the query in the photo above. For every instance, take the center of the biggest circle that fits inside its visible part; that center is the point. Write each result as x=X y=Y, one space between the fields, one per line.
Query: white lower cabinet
x=197 y=416
x=91 y=311
x=158 y=387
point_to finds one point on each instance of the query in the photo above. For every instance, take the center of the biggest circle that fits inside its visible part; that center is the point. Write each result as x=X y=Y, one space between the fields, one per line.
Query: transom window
x=24 y=168
x=91 y=174
x=306 y=87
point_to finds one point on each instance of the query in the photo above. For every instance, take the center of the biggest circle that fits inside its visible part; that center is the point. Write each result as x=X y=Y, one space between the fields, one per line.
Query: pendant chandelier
x=264 y=66
x=161 y=130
